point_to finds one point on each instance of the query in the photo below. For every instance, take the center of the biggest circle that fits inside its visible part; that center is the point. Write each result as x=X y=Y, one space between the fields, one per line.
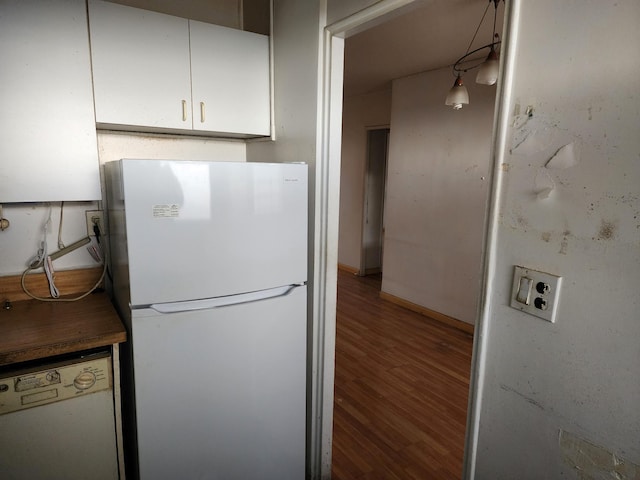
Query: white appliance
x=210 y=269
x=57 y=419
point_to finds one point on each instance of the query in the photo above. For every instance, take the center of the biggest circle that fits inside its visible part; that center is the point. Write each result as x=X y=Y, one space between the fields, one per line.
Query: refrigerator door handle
x=223 y=301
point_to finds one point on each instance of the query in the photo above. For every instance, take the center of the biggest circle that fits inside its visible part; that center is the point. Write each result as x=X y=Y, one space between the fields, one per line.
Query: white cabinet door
x=141 y=69
x=48 y=148
x=230 y=80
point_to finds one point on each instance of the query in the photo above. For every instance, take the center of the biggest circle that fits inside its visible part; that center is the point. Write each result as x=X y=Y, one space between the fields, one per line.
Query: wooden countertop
x=32 y=329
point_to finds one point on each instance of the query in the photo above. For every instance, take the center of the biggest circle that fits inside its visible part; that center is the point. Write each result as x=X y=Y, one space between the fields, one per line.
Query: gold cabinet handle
x=184 y=110
x=201 y=112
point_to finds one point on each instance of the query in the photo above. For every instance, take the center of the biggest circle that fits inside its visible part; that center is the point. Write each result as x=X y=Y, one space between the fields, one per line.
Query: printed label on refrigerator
x=166 y=210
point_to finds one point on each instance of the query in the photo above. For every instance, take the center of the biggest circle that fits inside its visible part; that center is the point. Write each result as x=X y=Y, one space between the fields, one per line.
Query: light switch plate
x=536 y=293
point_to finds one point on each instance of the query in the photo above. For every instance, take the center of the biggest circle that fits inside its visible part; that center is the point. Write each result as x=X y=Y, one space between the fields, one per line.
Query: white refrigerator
x=209 y=265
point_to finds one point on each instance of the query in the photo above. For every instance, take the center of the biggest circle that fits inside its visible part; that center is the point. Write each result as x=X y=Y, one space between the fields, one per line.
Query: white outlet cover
x=542 y=304
x=94 y=213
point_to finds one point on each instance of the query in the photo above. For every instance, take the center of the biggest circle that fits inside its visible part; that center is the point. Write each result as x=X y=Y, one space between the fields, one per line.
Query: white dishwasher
x=57 y=419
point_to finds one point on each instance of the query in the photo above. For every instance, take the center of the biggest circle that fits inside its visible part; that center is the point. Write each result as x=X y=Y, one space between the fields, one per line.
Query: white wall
x=115 y=145
x=227 y=13
x=20 y=242
x=296 y=28
x=578 y=65
x=359 y=112
x=436 y=194
x=339 y=9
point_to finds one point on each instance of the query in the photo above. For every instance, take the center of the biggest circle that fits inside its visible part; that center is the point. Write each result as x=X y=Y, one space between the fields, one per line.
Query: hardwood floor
x=401 y=389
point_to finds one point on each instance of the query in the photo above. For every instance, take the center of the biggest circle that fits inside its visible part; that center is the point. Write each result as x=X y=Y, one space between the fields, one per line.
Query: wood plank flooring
x=401 y=389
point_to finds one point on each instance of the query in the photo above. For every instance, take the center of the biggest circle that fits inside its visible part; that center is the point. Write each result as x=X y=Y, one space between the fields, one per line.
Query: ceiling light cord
x=495 y=17
x=456 y=68
x=488 y=73
x=476 y=34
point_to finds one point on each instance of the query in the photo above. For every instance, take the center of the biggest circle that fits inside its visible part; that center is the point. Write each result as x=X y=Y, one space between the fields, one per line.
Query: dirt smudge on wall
x=564 y=244
x=594 y=461
x=607 y=230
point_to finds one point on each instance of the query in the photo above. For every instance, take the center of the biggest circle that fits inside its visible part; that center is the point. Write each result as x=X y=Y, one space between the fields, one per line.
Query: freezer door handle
x=223 y=301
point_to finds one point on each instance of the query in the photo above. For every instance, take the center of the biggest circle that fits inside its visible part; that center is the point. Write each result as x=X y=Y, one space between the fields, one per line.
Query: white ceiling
x=431 y=35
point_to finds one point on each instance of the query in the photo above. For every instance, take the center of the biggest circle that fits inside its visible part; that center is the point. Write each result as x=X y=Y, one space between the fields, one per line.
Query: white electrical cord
x=48 y=270
x=43 y=256
x=60 y=242
x=74 y=299
x=44 y=261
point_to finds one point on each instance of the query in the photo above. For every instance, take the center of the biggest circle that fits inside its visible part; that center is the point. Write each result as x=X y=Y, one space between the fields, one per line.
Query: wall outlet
x=536 y=293
x=94 y=217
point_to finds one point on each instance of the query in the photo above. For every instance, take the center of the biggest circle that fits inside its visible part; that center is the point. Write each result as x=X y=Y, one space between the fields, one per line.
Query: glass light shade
x=458 y=95
x=488 y=73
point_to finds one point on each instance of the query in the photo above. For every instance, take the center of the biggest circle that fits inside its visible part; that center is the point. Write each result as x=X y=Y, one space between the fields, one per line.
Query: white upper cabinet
x=156 y=72
x=48 y=147
x=140 y=67
x=230 y=80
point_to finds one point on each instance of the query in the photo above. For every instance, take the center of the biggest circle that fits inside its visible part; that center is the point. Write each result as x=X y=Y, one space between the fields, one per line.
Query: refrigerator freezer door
x=220 y=393
x=198 y=230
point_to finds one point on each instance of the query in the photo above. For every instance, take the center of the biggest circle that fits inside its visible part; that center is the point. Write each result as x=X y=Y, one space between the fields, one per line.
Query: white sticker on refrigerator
x=166 y=211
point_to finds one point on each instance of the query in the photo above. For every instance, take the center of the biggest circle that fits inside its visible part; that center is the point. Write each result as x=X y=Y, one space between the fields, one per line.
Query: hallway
x=401 y=389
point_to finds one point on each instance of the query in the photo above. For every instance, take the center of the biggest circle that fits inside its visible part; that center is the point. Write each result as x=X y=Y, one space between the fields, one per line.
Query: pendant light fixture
x=458 y=95
x=488 y=73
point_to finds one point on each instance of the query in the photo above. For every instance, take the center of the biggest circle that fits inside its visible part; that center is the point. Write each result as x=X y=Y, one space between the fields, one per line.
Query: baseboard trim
x=427 y=312
x=347 y=268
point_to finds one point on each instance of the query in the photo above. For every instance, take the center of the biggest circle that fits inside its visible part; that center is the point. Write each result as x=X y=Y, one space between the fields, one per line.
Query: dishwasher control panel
x=53 y=382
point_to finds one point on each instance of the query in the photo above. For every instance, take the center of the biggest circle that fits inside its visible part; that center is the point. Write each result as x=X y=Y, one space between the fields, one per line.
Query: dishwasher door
x=57 y=421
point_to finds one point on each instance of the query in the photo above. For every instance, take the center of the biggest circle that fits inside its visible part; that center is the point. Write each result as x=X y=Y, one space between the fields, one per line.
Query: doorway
x=372 y=249
x=334 y=43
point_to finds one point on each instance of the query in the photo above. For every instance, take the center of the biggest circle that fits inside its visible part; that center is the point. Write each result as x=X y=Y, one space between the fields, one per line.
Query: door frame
x=366 y=194
x=329 y=138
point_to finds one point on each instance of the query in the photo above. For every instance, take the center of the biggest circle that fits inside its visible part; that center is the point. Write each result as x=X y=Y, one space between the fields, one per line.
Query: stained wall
x=569 y=204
